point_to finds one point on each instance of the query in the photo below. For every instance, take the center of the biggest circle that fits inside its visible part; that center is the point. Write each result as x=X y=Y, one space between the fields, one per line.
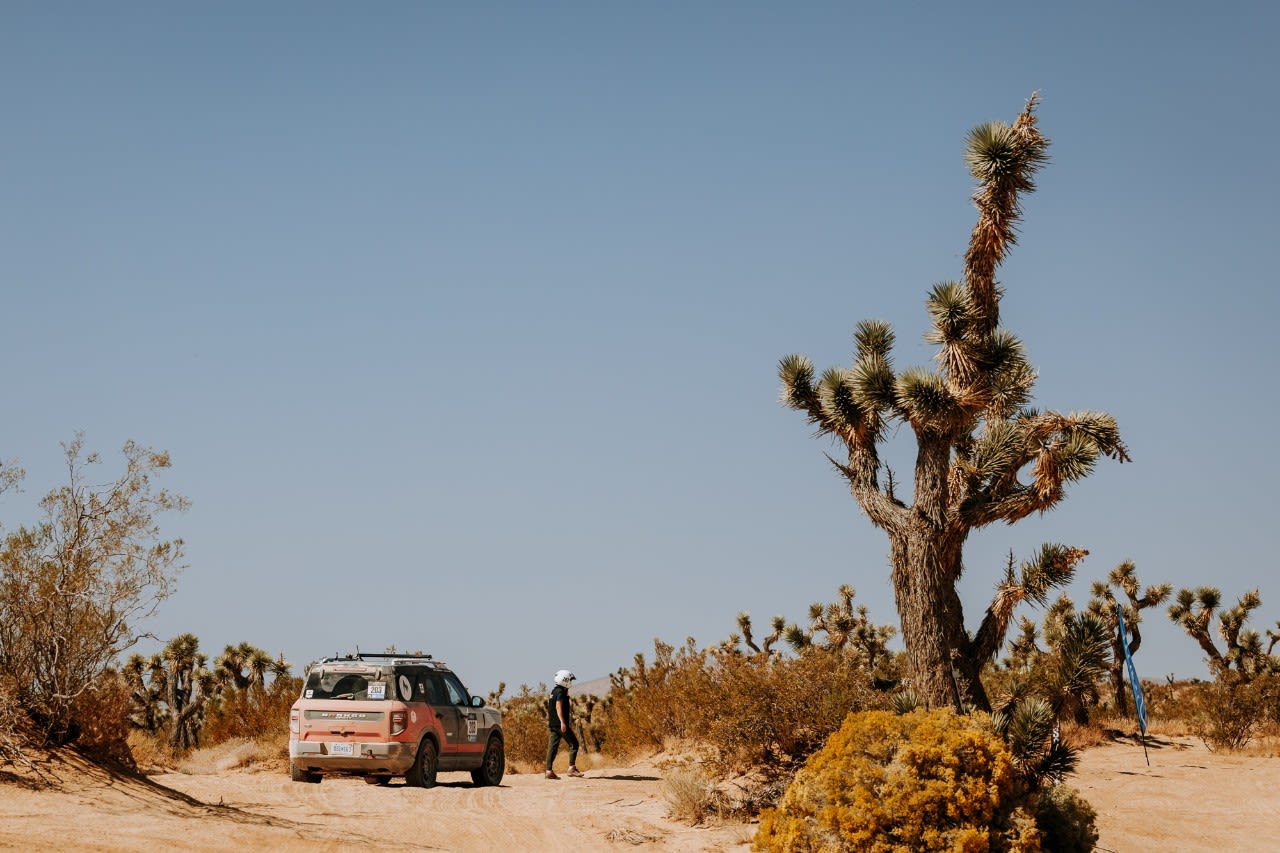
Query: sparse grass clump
x=233 y=754
x=692 y=795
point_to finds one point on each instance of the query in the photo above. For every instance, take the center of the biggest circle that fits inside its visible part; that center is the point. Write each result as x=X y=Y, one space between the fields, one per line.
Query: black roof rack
x=383 y=656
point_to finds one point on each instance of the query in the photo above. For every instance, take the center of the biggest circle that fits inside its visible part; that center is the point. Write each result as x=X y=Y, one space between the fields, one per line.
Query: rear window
x=346 y=685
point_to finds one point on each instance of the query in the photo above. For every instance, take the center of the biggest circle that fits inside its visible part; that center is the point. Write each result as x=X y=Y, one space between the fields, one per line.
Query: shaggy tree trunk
x=940 y=664
x=926 y=555
x=1119 y=693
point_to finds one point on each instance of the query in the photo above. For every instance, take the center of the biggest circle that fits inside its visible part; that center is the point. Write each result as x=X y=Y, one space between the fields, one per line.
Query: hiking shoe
x=573 y=771
x=551 y=775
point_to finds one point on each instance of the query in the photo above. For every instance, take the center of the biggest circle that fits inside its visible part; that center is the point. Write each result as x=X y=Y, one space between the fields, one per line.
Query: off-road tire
x=297 y=774
x=423 y=772
x=493 y=766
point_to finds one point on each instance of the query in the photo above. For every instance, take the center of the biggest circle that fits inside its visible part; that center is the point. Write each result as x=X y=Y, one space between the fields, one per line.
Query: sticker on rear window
x=309 y=693
x=406 y=688
x=377 y=690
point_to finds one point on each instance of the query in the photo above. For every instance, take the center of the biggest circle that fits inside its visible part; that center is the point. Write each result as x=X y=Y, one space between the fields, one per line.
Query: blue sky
x=461 y=321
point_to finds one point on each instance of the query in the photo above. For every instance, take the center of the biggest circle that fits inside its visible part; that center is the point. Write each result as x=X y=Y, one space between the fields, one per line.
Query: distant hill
x=597 y=686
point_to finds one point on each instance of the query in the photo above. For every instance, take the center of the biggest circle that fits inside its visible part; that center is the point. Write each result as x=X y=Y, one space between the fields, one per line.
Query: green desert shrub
x=1226 y=712
x=889 y=783
x=1068 y=824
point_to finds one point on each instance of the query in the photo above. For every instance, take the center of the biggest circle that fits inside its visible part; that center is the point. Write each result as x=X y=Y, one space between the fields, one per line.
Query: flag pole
x=1139 y=705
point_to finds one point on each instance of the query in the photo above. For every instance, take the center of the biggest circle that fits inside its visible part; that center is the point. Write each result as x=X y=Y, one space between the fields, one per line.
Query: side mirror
x=477 y=701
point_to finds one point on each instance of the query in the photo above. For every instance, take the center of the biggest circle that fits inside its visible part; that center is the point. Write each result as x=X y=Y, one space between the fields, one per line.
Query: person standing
x=560 y=722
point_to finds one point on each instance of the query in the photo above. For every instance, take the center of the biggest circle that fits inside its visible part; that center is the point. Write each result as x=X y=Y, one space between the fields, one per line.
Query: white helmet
x=564 y=676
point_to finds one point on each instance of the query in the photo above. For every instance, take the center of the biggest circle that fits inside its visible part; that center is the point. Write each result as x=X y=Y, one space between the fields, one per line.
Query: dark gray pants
x=553 y=746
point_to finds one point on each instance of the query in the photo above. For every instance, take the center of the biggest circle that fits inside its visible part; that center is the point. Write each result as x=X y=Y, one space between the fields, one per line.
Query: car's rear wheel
x=423 y=772
x=494 y=765
x=297 y=774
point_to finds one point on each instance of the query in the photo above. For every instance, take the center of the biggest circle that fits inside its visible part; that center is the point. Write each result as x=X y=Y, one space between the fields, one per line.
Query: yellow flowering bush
x=910 y=783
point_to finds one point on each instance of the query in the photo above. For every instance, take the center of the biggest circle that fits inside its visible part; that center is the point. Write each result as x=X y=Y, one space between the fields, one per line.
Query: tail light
x=293 y=720
x=399 y=721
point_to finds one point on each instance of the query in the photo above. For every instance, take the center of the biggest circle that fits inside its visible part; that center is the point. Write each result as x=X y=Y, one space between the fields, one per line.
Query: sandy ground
x=1187 y=800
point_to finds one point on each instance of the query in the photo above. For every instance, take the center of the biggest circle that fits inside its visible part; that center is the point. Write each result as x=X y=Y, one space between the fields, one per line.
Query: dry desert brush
x=745 y=709
x=75 y=585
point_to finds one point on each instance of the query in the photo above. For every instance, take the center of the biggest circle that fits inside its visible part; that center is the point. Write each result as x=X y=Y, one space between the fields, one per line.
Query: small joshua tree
x=1105 y=608
x=843 y=628
x=1243 y=654
x=766 y=650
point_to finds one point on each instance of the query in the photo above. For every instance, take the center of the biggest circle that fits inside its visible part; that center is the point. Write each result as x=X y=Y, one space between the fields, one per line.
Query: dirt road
x=1188 y=800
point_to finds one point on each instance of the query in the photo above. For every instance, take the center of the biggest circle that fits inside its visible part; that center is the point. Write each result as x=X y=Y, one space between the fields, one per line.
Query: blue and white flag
x=1133 y=676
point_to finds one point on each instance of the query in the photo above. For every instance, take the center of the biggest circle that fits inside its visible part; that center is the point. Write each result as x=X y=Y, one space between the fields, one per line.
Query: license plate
x=342 y=749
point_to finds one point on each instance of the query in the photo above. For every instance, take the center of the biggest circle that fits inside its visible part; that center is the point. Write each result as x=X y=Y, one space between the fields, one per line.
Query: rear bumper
x=393 y=759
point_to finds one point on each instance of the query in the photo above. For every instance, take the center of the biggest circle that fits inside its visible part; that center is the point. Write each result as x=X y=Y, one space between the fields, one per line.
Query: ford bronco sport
x=384 y=715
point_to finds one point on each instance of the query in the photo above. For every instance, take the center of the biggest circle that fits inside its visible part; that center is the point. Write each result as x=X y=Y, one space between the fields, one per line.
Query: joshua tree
x=180 y=682
x=1024 y=649
x=1244 y=653
x=778 y=624
x=149 y=712
x=246 y=666
x=975 y=436
x=844 y=628
x=1103 y=606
